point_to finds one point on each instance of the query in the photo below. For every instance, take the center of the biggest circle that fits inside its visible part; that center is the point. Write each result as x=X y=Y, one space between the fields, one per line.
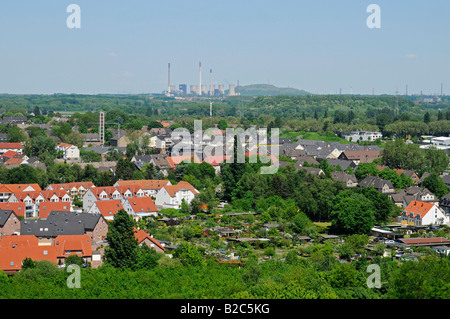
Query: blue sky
x=320 y=46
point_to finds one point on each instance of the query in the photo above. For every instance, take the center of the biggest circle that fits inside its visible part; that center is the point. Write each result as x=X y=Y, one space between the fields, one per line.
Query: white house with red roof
x=139 y=207
x=99 y=194
x=173 y=195
x=6 y=190
x=107 y=208
x=150 y=186
x=16 y=147
x=73 y=189
x=420 y=213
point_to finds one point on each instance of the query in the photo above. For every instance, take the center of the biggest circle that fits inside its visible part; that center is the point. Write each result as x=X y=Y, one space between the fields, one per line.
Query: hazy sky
x=319 y=46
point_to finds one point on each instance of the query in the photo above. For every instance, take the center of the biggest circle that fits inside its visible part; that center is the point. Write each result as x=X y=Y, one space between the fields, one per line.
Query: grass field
x=319 y=136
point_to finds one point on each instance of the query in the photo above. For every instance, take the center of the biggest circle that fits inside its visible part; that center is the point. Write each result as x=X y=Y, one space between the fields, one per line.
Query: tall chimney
x=168 y=89
x=210 y=83
x=200 y=78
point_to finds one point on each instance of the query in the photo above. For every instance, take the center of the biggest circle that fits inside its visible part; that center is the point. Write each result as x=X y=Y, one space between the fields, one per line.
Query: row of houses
x=55 y=238
x=140 y=198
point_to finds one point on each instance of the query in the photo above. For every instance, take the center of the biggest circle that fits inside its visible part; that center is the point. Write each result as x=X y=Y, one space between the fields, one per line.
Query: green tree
x=300 y=223
x=124 y=169
x=435 y=184
x=122 y=244
x=366 y=169
x=41 y=145
x=15 y=135
x=352 y=214
x=189 y=255
x=422 y=279
x=147 y=257
x=222 y=124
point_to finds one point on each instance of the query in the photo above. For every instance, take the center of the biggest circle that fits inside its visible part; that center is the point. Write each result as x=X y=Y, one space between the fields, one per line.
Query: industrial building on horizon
x=200 y=89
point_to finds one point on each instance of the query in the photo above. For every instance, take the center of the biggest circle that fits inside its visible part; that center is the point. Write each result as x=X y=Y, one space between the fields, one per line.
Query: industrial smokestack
x=200 y=78
x=168 y=89
x=211 y=91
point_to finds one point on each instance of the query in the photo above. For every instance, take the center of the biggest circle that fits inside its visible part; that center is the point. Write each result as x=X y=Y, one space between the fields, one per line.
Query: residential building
x=364 y=156
x=16 y=147
x=46 y=230
x=173 y=195
x=381 y=185
x=93 y=225
x=107 y=208
x=12 y=256
x=119 y=139
x=9 y=223
x=14 y=249
x=67 y=245
x=420 y=213
x=145 y=239
x=348 y=179
x=343 y=164
x=17 y=208
x=6 y=190
x=139 y=207
x=363 y=136
x=99 y=194
x=409 y=173
x=315 y=171
x=45 y=208
x=70 y=152
x=405 y=196
x=73 y=189
x=150 y=186
x=127 y=191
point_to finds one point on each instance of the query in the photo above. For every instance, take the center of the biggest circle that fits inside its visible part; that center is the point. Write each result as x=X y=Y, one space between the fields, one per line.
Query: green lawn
x=319 y=136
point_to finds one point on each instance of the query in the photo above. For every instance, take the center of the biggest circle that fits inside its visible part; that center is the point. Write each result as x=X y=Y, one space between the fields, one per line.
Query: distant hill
x=268 y=89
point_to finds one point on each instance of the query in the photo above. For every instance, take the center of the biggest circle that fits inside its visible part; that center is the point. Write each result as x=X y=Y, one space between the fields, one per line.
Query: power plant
x=200 y=89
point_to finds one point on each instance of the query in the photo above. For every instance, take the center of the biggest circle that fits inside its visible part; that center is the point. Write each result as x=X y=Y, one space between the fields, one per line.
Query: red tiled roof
x=9 y=154
x=69 y=186
x=141 y=235
x=11 y=258
x=109 y=190
x=418 y=208
x=14 y=161
x=134 y=188
x=175 y=160
x=10 y=145
x=13 y=188
x=46 y=208
x=60 y=193
x=172 y=189
x=69 y=244
x=425 y=240
x=109 y=207
x=21 y=240
x=142 y=204
x=145 y=183
x=18 y=208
